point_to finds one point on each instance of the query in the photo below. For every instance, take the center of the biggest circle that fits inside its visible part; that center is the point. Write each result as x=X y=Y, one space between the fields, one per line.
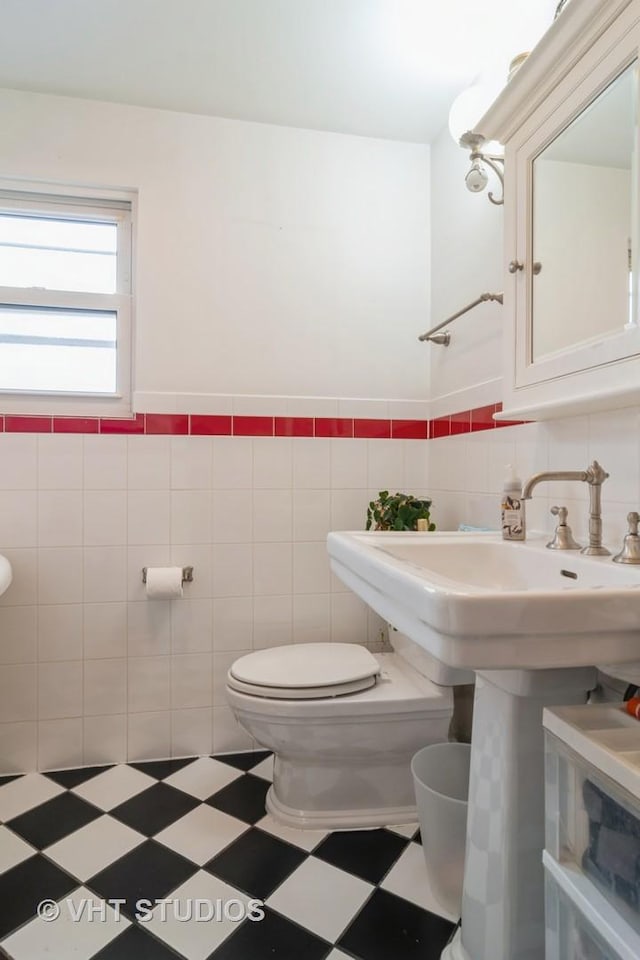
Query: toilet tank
x=425 y=664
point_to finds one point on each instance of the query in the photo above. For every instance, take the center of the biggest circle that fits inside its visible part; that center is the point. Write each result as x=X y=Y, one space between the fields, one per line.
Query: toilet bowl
x=343 y=725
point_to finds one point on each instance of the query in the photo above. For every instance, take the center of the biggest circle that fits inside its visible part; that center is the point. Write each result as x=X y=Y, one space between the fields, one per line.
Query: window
x=65 y=299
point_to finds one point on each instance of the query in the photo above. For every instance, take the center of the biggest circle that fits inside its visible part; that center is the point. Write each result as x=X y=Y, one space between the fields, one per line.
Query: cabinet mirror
x=584 y=204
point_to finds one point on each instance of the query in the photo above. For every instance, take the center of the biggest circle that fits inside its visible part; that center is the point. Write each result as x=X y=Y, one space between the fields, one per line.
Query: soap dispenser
x=512 y=507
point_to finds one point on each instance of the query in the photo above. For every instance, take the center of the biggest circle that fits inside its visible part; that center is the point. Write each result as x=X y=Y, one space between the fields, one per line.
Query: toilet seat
x=305 y=671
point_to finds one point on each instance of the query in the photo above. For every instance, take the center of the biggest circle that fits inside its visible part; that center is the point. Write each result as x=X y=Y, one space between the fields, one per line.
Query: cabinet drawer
x=593 y=822
x=580 y=924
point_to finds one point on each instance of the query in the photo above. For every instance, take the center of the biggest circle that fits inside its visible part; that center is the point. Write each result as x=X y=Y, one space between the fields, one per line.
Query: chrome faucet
x=595 y=477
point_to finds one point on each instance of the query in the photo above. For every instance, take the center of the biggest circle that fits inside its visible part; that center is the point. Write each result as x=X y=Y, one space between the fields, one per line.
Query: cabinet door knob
x=515 y=265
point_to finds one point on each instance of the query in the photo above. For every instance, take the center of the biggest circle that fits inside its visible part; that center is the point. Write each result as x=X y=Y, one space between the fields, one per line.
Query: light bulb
x=477 y=178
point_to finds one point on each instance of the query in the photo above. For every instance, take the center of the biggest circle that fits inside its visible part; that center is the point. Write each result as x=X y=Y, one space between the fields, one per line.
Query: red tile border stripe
x=294 y=426
x=208 y=425
x=410 y=429
x=176 y=424
x=440 y=427
x=333 y=427
x=14 y=424
x=253 y=426
x=372 y=429
x=482 y=418
x=127 y=425
x=182 y=424
x=76 y=425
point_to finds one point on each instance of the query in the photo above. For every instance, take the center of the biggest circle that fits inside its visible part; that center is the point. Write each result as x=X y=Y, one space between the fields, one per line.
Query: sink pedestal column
x=503 y=902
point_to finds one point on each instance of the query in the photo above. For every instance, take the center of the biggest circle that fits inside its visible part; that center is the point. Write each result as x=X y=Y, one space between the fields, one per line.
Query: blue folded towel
x=469 y=528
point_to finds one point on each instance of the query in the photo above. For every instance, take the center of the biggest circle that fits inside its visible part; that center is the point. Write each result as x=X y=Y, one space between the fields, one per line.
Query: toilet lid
x=305 y=671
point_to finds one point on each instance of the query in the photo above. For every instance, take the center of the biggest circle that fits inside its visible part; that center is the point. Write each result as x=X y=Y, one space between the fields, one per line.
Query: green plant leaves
x=398 y=512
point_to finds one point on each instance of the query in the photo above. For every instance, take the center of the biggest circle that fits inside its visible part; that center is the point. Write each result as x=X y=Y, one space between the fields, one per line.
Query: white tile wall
x=466 y=472
x=90 y=670
x=60 y=631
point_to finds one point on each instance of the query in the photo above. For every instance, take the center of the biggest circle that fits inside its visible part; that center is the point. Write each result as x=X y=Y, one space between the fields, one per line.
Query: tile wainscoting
x=90 y=670
x=190 y=424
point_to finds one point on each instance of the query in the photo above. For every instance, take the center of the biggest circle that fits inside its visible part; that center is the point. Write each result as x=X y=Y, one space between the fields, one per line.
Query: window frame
x=119 y=206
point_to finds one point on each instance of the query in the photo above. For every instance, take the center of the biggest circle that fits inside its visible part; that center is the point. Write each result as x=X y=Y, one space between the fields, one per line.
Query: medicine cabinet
x=570 y=124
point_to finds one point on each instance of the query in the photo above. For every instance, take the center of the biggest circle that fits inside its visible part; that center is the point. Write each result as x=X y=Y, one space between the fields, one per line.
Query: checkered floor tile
x=178 y=859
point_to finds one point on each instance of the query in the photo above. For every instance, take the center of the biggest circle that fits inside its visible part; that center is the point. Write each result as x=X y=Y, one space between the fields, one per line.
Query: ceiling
x=378 y=68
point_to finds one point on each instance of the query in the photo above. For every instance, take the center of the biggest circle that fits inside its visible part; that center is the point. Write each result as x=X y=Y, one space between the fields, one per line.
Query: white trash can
x=441 y=782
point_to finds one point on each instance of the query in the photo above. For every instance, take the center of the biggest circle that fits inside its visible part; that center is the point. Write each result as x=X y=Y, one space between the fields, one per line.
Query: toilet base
x=337 y=819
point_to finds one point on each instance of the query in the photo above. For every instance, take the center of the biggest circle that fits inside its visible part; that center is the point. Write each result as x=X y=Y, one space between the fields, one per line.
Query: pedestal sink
x=531 y=622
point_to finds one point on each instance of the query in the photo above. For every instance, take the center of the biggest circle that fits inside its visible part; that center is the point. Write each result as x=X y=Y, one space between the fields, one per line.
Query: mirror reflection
x=582 y=225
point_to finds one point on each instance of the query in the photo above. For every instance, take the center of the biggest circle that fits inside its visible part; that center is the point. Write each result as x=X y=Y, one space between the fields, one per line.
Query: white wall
x=466 y=260
x=467 y=472
x=93 y=672
x=269 y=260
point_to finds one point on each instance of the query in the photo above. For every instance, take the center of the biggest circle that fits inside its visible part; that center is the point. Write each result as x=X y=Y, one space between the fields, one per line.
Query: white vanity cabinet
x=592 y=833
x=569 y=121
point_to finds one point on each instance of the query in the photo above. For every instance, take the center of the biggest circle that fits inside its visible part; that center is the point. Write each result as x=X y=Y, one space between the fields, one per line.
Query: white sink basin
x=477 y=601
x=6 y=575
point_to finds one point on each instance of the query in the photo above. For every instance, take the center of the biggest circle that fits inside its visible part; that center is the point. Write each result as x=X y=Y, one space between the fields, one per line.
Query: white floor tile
x=114 y=786
x=13 y=849
x=203 y=777
x=202 y=833
x=196 y=940
x=87 y=851
x=29 y=791
x=404 y=829
x=320 y=897
x=264 y=769
x=40 y=940
x=305 y=839
x=337 y=955
x=408 y=878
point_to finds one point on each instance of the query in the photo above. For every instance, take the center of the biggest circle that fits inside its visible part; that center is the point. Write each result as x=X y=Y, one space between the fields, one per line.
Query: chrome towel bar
x=445 y=338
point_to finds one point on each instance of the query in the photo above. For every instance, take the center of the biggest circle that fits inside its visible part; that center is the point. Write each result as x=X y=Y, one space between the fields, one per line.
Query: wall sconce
x=463 y=116
x=477 y=178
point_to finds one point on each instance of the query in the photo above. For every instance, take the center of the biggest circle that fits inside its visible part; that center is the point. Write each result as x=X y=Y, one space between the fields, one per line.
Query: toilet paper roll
x=164 y=583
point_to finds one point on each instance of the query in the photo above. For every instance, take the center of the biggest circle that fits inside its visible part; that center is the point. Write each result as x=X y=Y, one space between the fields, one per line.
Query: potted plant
x=399 y=511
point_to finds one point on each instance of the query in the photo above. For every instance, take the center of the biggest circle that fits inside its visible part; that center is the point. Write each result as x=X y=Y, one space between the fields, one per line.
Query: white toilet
x=343 y=725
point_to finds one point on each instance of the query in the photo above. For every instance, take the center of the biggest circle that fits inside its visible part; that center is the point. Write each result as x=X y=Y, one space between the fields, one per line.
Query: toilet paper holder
x=187 y=574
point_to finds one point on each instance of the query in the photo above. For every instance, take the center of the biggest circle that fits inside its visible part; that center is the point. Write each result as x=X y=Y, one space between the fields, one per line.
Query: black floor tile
x=136 y=944
x=417 y=837
x=71 y=778
x=9 y=778
x=162 y=768
x=388 y=926
x=54 y=819
x=244 y=761
x=256 y=863
x=369 y=854
x=23 y=887
x=274 y=938
x=244 y=798
x=149 y=872
x=154 y=808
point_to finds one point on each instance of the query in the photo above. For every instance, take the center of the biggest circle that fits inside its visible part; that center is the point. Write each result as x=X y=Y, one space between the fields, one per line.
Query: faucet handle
x=595 y=474
x=630 y=552
x=561 y=513
x=562 y=537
